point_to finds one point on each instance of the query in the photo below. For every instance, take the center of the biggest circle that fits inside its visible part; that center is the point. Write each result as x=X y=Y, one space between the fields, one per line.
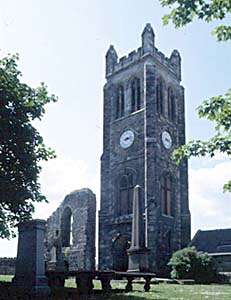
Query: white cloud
x=59 y=177
x=210 y=207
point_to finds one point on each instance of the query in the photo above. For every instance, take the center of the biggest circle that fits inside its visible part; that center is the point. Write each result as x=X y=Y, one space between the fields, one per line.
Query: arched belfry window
x=66 y=227
x=120 y=105
x=159 y=96
x=135 y=95
x=166 y=195
x=171 y=105
x=125 y=195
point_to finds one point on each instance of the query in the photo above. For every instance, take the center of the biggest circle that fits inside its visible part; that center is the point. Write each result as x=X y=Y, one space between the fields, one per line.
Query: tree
x=21 y=146
x=216 y=109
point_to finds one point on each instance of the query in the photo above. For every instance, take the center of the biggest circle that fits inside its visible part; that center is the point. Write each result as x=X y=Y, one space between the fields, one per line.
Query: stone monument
x=137 y=253
x=30 y=264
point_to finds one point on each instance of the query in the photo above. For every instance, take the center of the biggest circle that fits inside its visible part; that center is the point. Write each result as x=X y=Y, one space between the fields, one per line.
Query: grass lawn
x=160 y=291
x=165 y=291
x=6 y=277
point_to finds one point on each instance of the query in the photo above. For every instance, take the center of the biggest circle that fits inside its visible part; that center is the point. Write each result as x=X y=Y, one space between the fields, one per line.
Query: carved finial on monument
x=148 y=39
x=137 y=253
x=175 y=60
x=111 y=60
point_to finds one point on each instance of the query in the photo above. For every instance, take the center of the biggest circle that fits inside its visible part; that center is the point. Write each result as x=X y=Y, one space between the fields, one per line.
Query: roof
x=212 y=241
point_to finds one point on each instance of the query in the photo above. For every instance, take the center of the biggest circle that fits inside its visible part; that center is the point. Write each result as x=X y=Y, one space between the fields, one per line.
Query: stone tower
x=144 y=120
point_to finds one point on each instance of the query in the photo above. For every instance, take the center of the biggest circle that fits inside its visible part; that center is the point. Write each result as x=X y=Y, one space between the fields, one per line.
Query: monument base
x=38 y=288
x=138 y=260
x=58 y=266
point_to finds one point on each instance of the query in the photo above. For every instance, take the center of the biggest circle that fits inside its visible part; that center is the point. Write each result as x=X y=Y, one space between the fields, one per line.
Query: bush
x=188 y=263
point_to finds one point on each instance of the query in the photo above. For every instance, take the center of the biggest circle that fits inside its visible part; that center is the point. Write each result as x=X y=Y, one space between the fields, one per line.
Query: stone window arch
x=67 y=227
x=160 y=96
x=120 y=104
x=135 y=95
x=171 y=105
x=125 y=195
x=166 y=195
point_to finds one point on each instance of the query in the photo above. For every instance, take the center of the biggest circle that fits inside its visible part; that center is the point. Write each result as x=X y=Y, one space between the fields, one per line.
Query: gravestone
x=30 y=264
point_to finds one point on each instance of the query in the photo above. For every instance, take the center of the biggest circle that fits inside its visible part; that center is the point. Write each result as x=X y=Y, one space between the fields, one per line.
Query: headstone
x=137 y=253
x=30 y=264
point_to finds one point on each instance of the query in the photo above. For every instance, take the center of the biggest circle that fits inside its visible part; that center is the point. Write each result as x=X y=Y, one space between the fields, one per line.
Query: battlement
x=125 y=61
x=136 y=55
x=114 y=65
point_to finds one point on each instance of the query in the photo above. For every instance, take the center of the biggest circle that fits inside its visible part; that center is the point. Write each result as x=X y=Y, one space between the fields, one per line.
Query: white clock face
x=127 y=139
x=166 y=139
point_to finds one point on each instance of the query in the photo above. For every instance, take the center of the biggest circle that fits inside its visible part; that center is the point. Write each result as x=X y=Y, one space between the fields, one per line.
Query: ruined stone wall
x=78 y=244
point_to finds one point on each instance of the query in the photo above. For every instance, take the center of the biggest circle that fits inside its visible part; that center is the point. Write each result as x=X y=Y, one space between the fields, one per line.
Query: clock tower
x=144 y=121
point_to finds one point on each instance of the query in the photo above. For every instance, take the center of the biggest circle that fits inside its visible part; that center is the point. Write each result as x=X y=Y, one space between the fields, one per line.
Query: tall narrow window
x=166 y=195
x=171 y=105
x=135 y=95
x=120 y=105
x=159 y=96
x=71 y=230
x=66 y=227
x=125 y=197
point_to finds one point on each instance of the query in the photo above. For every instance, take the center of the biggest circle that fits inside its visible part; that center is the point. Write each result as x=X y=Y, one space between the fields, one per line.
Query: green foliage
x=190 y=264
x=185 y=11
x=21 y=146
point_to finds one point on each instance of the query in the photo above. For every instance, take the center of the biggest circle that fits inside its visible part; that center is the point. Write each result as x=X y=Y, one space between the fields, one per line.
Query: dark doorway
x=120 y=246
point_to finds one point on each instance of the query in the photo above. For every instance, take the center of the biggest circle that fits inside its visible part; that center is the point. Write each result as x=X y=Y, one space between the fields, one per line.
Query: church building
x=144 y=121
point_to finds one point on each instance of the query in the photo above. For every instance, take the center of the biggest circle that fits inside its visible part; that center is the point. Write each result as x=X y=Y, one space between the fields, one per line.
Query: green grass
x=160 y=291
x=7 y=278
x=165 y=291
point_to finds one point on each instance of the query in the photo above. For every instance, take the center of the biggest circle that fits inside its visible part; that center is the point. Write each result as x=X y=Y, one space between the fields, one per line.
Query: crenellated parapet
x=172 y=63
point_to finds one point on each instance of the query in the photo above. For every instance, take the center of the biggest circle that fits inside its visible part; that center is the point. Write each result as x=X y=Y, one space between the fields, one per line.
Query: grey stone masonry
x=70 y=233
x=30 y=264
x=7 y=265
x=144 y=121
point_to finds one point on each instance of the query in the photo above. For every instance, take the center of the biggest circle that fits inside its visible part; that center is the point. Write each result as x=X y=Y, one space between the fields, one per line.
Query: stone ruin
x=70 y=233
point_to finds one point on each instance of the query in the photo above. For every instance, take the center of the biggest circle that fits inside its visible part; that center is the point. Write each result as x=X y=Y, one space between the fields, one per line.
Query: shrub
x=188 y=263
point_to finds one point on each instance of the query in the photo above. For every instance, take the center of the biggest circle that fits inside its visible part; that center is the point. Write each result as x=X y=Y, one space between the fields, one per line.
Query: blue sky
x=63 y=43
